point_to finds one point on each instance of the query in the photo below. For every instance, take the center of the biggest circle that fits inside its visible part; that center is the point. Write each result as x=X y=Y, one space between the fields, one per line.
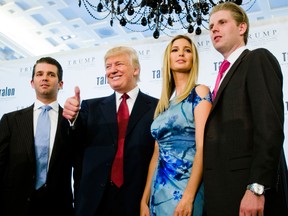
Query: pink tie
x=223 y=67
x=123 y=118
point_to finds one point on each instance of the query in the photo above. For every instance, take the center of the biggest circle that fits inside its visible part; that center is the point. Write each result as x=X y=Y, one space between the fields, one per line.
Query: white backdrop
x=85 y=68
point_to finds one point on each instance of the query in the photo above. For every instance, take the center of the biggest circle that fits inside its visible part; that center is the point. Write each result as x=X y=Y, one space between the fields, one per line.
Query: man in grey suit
x=96 y=128
x=18 y=164
x=244 y=166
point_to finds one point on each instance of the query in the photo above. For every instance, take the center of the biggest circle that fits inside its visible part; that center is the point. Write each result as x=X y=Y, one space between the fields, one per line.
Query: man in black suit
x=244 y=164
x=18 y=164
x=96 y=126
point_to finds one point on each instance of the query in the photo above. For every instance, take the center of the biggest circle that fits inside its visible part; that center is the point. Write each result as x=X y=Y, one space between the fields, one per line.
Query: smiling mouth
x=115 y=77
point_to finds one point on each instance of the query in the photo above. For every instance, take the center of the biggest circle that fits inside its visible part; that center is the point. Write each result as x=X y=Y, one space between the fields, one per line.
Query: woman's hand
x=184 y=208
x=144 y=209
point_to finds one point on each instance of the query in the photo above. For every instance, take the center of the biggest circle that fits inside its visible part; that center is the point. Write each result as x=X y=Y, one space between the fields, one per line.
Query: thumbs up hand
x=72 y=106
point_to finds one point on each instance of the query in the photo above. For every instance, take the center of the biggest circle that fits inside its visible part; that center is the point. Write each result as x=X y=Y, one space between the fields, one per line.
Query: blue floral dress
x=174 y=131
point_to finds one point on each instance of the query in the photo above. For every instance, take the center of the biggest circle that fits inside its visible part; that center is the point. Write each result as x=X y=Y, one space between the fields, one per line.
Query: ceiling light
x=156 y=15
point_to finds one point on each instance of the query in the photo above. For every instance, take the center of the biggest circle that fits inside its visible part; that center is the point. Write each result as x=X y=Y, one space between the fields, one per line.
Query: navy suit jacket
x=244 y=135
x=18 y=167
x=96 y=129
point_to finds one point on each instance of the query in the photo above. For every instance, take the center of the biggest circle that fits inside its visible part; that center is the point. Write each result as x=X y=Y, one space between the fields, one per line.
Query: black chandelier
x=157 y=15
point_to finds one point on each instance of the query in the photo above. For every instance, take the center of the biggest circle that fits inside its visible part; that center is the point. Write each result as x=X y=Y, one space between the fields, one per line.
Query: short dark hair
x=52 y=61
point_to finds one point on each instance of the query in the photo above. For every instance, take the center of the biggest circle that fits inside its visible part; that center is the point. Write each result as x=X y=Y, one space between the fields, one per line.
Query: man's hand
x=252 y=205
x=72 y=106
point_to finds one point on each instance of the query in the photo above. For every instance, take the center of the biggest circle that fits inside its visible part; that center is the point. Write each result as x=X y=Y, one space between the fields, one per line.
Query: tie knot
x=125 y=96
x=46 y=108
x=224 y=66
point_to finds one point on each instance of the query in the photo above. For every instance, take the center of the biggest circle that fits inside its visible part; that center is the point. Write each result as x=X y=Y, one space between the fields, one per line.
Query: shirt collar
x=132 y=94
x=39 y=104
x=234 y=55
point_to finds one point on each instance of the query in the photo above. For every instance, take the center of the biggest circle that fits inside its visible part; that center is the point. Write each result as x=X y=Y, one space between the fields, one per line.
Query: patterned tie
x=123 y=118
x=223 y=67
x=42 y=142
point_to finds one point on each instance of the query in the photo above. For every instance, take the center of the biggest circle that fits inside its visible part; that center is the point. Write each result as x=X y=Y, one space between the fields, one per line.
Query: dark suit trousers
x=274 y=204
x=111 y=203
x=39 y=202
x=42 y=205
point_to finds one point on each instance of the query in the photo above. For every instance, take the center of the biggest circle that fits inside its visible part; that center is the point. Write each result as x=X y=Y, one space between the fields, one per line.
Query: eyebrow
x=178 y=47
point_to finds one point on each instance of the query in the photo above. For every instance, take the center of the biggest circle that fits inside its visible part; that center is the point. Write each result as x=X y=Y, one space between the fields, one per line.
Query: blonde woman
x=174 y=183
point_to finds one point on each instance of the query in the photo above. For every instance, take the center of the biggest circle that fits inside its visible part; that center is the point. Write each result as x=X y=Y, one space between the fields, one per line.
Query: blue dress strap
x=196 y=99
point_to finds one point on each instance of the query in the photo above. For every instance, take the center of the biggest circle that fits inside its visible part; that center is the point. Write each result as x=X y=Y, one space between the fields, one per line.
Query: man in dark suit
x=18 y=164
x=244 y=164
x=96 y=126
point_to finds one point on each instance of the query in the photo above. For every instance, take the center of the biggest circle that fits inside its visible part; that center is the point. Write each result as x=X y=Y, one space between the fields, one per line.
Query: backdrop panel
x=85 y=68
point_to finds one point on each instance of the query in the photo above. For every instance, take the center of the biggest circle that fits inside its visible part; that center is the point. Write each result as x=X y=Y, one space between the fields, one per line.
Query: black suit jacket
x=97 y=126
x=18 y=168
x=244 y=134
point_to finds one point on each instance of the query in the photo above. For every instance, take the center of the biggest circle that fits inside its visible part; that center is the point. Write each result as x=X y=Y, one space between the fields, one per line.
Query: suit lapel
x=141 y=106
x=108 y=109
x=58 y=140
x=229 y=76
x=25 y=123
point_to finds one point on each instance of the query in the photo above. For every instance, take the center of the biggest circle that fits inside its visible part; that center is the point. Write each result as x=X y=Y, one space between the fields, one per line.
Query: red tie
x=123 y=118
x=223 y=67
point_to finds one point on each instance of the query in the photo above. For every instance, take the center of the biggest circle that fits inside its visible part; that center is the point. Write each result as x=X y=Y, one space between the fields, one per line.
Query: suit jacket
x=18 y=168
x=97 y=126
x=244 y=134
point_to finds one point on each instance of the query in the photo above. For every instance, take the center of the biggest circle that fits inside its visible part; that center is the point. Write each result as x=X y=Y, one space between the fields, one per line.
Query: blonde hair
x=120 y=50
x=168 y=83
x=237 y=13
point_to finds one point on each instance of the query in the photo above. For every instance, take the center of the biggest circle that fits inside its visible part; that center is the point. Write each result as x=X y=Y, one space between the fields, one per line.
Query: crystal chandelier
x=156 y=15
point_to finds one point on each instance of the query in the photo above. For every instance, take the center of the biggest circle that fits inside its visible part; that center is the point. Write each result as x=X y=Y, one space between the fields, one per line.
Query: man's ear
x=32 y=83
x=242 y=28
x=60 y=85
x=136 y=71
